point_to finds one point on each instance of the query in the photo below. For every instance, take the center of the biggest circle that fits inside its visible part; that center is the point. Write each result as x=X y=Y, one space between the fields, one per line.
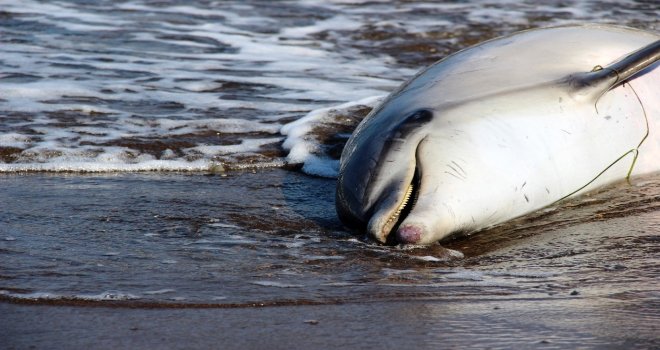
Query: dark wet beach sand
x=562 y=323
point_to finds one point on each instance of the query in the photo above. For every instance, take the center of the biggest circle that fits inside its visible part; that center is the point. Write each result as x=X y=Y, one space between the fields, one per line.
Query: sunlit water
x=236 y=103
x=271 y=237
x=197 y=85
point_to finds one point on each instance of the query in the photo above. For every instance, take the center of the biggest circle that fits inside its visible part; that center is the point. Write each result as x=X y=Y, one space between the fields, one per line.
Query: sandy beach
x=564 y=323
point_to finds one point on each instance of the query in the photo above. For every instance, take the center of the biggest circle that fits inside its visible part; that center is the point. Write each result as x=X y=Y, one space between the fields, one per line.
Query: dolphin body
x=504 y=128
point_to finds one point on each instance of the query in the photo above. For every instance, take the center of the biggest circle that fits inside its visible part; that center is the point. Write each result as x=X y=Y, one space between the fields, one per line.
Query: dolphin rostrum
x=504 y=128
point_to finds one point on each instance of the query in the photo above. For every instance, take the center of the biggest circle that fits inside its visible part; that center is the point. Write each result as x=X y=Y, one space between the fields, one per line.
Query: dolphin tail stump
x=504 y=128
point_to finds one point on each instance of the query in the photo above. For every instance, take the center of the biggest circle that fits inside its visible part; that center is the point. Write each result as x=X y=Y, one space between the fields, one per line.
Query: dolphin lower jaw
x=380 y=226
x=392 y=208
x=429 y=220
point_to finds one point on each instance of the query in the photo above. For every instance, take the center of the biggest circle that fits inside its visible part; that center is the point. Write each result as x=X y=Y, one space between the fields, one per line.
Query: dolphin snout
x=409 y=234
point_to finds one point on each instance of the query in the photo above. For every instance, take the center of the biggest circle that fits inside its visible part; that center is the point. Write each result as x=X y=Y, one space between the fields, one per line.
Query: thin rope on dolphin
x=598 y=68
x=634 y=151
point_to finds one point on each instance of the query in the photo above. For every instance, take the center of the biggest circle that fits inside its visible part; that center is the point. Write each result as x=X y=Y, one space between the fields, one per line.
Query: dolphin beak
x=393 y=208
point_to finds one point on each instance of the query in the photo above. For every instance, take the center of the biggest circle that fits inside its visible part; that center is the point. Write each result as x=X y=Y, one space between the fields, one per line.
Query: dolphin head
x=378 y=174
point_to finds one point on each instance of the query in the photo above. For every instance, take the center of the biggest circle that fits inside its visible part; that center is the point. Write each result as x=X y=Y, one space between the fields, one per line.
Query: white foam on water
x=340 y=284
x=113 y=164
x=76 y=79
x=339 y=22
x=13 y=139
x=297 y=244
x=304 y=149
x=224 y=225
x=451 y=284
x=246 y=146
x=116 y=89
x=323 y=257
x=428 y=258
x=109 y=295
x=395 y=272
x=277 y=284
x=104 y=296
x=159 y=291
x=523 y=274
x=470 y=275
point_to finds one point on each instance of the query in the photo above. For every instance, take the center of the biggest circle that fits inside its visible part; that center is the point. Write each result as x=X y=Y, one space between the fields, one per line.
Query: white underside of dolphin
x=510 y=133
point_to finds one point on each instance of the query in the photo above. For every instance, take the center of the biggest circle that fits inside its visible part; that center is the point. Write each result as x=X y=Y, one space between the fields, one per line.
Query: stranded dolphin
x=504 y=128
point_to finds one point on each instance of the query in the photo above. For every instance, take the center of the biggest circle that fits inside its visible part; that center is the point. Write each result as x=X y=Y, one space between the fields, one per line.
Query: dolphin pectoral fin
x=601 y=79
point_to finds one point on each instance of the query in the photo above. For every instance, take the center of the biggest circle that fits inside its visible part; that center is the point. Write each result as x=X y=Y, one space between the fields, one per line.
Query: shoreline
x=419 y=324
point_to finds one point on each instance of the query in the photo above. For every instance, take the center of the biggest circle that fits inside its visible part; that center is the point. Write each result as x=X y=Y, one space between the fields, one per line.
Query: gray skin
x=415 y=140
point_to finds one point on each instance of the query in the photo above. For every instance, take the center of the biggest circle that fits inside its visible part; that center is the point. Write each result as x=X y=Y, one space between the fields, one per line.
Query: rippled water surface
x=236 y=105
x=272 y=237
x=193 y=85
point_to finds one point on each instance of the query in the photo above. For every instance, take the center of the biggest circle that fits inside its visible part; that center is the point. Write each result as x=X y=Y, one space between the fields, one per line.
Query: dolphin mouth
x=405 y=205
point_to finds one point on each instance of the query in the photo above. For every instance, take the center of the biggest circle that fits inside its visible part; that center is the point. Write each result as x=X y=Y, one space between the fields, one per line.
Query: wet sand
x=563 y=323
x=258 y=259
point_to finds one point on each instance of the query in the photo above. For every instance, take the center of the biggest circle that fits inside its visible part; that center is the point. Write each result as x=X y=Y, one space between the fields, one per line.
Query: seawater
x=206 y=85
x=271 y=237
x=225 y=101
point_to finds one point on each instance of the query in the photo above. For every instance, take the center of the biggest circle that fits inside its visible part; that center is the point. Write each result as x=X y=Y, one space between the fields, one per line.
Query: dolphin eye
x=414 y=121
x=420 y=116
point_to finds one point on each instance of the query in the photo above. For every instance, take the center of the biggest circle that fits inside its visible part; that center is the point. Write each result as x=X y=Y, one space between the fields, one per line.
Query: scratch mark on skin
x=450 y=210
x=454 y=175
x=523 y=185
x=526 y=198
x=462 y=170
x=452 y=168
x=491 y=215
x=566 y=131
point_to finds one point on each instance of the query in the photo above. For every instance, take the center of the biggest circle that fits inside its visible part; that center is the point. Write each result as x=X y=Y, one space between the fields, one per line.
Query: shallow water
x=271 y=237
x=582 y=274
x=235 y=104
x=192 y=86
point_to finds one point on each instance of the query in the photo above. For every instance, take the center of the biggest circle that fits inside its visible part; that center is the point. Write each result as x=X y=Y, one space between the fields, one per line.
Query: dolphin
x=501 y=129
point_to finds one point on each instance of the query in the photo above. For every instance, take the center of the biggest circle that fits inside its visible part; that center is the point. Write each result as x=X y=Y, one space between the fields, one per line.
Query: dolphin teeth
x=402 y=205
